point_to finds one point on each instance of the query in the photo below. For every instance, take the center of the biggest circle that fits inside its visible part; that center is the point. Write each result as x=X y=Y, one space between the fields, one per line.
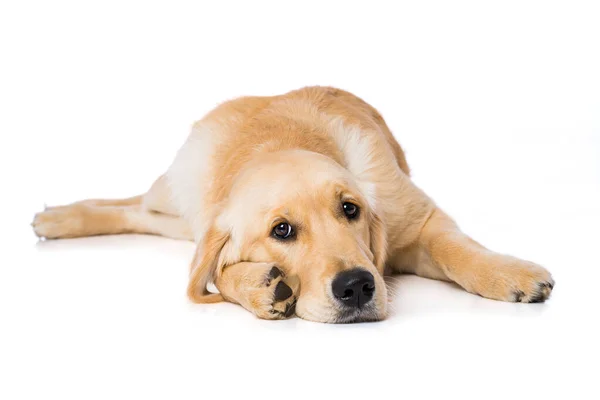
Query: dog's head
x=306 y=213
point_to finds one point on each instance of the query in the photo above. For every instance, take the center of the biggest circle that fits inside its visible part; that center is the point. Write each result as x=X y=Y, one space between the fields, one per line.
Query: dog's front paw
x=275 y=297
x=511 y=279
x=262 y=288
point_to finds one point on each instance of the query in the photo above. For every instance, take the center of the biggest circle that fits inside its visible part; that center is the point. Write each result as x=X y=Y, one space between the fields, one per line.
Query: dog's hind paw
x=59 y=222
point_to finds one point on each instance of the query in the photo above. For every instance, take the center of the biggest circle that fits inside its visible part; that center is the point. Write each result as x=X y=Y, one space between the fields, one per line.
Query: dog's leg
x=444 y=252
x=261 y=288
x=150 y=213
x=84 y=219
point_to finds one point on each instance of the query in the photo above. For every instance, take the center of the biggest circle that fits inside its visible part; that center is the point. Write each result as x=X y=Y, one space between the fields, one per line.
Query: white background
x=496 y=103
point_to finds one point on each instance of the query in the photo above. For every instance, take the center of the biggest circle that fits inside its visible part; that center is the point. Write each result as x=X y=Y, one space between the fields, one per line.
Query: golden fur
x=256 y=161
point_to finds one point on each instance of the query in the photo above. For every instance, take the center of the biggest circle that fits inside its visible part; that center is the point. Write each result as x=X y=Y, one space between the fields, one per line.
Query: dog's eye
x=351 y=210
x=283 y=231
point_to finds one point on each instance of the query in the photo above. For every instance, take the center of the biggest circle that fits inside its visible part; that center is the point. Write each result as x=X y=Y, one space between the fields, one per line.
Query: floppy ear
x=204 y=266
x=378 y=241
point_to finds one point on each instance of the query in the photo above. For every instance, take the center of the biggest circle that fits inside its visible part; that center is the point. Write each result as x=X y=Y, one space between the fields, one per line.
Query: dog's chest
x=191 y=177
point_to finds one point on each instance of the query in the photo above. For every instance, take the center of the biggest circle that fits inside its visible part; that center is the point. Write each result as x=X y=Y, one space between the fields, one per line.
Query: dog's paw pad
x=288 y=311
x=282 y=291
x=275 y=273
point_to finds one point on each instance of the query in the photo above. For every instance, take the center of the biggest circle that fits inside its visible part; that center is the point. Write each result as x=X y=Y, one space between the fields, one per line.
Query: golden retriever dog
x=298 y=203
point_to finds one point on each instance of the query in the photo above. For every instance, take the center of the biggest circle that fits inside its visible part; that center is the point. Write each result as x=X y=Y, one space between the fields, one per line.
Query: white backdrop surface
x=497 y=105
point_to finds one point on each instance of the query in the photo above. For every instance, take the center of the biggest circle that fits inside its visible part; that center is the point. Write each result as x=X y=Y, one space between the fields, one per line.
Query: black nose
x=354 y=287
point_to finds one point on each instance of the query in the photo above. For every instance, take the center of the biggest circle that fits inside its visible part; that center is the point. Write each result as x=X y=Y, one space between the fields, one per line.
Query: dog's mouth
x=367 y=313
x=340 y=314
